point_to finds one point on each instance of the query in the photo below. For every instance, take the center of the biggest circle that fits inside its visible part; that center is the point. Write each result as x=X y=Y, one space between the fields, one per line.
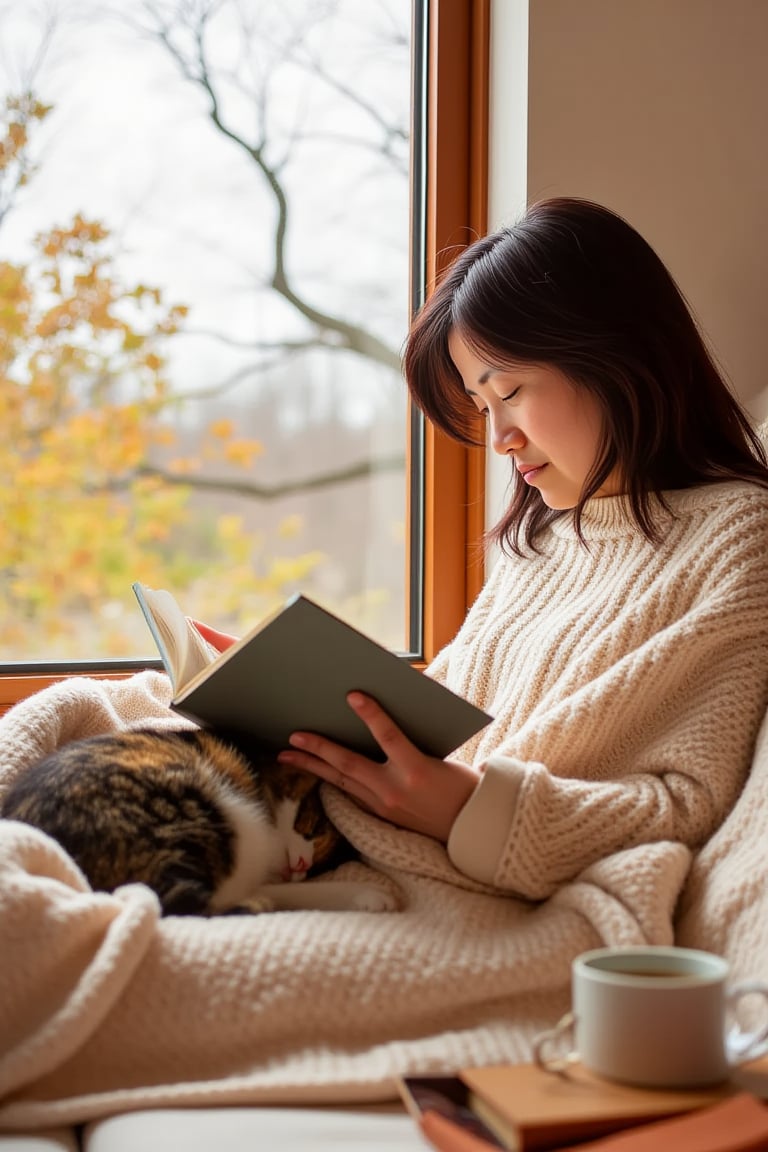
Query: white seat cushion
x=375 y=1128
x=58 y=1140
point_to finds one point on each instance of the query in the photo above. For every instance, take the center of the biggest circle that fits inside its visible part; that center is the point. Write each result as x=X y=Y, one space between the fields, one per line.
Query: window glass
x=204 y=231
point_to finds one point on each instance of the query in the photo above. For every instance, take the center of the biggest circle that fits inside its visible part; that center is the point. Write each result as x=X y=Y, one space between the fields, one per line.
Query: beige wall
x=659 y=109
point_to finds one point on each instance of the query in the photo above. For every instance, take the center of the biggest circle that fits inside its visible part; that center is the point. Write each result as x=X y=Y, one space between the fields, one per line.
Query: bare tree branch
x=392 y=133
x=193 y=19
x=16 y=163
x=241 y=487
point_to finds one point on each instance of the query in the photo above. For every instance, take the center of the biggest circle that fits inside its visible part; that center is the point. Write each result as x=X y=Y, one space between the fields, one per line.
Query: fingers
x=378 y=786
x=220 y=640
x=385 y=732
x=331 y=762
x=422 y=793
x=387 y=735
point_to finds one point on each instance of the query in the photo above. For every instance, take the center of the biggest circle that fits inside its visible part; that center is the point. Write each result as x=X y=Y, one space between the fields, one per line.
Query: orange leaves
x=99 y=461
x=82 y=240
x=243 y=452
x=184 y=465
x=24 y=108
x=18 y=113
x=238 y=451
x=221 y=429
x=14 y=143
x=15 y=302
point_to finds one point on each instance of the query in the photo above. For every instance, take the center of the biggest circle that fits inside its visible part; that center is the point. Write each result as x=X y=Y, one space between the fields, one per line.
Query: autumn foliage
x=94 y=488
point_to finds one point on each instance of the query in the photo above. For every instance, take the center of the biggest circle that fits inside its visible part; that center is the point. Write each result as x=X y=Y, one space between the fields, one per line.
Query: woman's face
x=547 y=425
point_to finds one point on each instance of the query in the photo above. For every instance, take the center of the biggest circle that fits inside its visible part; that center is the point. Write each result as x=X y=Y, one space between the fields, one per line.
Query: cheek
x=581 y=434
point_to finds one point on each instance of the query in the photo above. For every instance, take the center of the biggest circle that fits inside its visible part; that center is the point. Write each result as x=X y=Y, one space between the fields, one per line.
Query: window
x=427 y=542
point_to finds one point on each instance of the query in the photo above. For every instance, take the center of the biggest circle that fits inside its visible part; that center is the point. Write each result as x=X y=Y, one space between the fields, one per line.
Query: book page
x=182 y=649
x=199 y=653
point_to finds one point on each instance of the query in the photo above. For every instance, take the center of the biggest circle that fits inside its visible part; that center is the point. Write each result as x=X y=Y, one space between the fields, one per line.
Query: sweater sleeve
x=671 y=728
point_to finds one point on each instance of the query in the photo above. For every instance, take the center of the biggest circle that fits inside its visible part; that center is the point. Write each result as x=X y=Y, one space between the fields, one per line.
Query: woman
x=620 y=641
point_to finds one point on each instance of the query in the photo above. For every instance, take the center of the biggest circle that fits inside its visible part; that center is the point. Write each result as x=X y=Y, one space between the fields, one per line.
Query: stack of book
x=519 y=1108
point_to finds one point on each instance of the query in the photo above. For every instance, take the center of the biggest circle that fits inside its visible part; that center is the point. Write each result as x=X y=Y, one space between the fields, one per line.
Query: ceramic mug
x=654 y=1016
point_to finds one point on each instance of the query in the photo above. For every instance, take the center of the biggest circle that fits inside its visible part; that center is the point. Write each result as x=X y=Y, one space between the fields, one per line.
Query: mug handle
x=547 y=1046
x=740 y=1045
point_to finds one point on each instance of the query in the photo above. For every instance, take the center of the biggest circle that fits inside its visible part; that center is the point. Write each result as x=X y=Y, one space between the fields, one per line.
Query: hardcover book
x=520 y=1107
x=738 y=1124
x=293 y=672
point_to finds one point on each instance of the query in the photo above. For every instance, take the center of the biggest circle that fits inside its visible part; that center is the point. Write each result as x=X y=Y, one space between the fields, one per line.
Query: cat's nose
x=297 y=871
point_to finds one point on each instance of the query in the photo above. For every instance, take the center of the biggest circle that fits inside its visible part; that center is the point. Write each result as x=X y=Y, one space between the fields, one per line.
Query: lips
x=530 y=472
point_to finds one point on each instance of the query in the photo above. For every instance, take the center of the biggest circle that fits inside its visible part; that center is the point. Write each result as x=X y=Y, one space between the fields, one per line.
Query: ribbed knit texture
x=627 y=681
x=623 y=662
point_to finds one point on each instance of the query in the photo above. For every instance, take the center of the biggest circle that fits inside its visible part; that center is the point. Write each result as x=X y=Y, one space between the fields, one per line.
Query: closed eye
x=510 y=396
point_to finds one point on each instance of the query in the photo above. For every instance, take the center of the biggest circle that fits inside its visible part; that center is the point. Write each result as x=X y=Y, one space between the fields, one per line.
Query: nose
x=505 y=436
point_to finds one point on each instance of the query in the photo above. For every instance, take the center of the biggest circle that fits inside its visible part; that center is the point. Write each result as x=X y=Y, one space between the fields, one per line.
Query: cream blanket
x=104 y=1006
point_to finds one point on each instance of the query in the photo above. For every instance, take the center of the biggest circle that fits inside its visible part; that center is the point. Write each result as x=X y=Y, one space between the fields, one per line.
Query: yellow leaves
x=91 y=434
x=84 y=449
x=173 y=320
x=295 y=569
x=243 y=452
x=184 y=465
x=12 y=285
x=229 y=527
x=290 y=526
x=17 y=135
x=132 y=341
x=239 y=451
x=15 y=299
x=14 y=144
x=79 y=240
x=55 y=320
x=25 y=107
x=143 y=293
x=163 y=434
x=151 y=360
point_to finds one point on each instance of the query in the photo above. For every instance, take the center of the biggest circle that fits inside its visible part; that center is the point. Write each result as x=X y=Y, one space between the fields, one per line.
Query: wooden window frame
x=453 y=496
x=456 y=213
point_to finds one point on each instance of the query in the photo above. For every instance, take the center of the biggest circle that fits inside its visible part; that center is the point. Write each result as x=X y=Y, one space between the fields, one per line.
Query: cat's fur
x=210 y=825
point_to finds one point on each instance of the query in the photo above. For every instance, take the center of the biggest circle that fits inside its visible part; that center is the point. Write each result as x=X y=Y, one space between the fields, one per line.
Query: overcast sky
x=129 y=143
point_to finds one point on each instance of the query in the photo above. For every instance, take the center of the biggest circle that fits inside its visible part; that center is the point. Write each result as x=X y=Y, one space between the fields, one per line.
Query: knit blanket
x=105 y=1006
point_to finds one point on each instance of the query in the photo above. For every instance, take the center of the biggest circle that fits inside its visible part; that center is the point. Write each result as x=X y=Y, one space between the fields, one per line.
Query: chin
x=559 y=503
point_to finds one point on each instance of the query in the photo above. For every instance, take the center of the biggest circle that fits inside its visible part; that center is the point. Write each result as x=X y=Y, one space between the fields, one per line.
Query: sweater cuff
x=480 y=832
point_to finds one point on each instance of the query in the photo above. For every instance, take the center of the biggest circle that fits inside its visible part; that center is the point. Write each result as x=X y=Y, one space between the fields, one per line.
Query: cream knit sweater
x=627 y=683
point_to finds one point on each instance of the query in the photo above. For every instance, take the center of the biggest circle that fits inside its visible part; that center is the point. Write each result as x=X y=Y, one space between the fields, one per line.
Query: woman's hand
x=415 y=791
x=220 y=640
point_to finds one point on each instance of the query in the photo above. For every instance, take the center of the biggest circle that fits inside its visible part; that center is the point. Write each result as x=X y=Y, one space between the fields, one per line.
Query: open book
x=293 y=672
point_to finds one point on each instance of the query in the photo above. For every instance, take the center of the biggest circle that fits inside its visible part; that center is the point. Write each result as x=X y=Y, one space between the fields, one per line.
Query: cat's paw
x=371 y=898
x=256 y=904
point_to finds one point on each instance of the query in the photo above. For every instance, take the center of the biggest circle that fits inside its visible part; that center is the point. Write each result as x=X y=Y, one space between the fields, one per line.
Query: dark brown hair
x=574 y=286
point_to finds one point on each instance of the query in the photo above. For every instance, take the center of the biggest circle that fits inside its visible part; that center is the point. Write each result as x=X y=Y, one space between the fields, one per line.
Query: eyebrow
x=483 y=378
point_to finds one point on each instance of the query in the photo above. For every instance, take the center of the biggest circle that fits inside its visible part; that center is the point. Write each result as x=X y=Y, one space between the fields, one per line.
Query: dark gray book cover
x=293 y=672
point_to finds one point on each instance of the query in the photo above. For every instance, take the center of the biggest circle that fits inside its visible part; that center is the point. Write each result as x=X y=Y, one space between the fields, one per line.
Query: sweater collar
x=610 y=517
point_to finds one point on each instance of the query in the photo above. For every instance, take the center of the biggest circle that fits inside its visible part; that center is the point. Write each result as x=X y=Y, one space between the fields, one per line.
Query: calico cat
x=210 y=824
